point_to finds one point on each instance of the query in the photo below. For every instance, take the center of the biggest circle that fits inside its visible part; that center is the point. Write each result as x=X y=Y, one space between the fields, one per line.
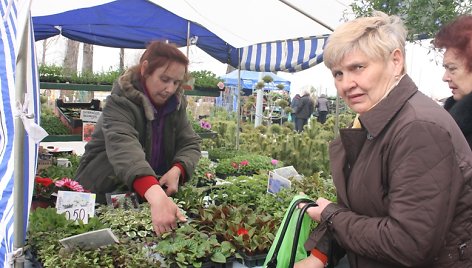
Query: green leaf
x=218 y=257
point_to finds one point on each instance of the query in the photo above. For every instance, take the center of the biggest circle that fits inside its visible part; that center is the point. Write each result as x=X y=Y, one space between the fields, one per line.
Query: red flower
x=244 y=163
x=242 y=231
x=43 y=181
x=235 y=165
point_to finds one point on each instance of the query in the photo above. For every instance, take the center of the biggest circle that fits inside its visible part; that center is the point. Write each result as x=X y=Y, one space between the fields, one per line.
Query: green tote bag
x=294 y=231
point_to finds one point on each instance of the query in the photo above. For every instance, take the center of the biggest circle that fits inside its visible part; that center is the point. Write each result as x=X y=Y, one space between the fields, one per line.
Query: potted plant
x=247 y=164
x=47 y=227
x=190 y=247
x=45 y=190
x=203 y=128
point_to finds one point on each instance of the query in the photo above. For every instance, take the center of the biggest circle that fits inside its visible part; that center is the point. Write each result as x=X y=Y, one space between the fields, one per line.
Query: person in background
x=456 y=38
x=143 y=141
x=303 y=109
x=402 y=172
x=293 y=105
x=322 y=106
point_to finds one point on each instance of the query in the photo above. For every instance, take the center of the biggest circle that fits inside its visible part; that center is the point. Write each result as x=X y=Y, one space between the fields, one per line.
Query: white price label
x=76 y=205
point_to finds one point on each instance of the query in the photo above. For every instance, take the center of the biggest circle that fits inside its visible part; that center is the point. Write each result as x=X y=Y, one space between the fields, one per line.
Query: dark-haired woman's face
x=164 y=81
x=456 y=74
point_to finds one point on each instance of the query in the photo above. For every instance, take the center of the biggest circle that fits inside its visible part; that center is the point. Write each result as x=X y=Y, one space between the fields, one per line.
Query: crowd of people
x=402 y=171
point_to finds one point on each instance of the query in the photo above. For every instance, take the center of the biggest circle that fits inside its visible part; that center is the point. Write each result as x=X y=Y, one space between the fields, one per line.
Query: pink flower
x=244 y=163
x=208 y=175
x=274 y=162
x=220 y=85
x=204 y=124
x=70 y=184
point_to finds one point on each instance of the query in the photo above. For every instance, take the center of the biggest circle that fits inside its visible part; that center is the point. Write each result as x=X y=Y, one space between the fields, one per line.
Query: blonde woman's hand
x=309 y=262
x=315 y=212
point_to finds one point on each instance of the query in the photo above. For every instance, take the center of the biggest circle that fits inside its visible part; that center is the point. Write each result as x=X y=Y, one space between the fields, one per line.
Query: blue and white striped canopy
x=15 y=17
x=220 y=28
x=288 y=55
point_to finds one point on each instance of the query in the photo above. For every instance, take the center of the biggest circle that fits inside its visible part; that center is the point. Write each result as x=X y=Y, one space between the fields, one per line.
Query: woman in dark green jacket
x=143 y=141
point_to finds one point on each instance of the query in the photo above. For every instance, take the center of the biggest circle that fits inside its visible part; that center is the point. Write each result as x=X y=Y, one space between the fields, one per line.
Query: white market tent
x=264 y=35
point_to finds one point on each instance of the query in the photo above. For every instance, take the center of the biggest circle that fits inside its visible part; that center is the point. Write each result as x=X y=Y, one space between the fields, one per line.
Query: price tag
x=76 y=205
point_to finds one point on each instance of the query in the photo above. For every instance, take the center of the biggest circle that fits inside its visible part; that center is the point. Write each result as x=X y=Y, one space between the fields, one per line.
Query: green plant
x=53 y=125
x=129 y=224
x=188 y=246
x=220 y=153
x=58 y=172
x=423 y=18
x=250 y=232
x=204 y=173
x=57 y=74
x=45 y=230
x=50 y=73
x=205 y=79
x=47 y=227
x=247 y=164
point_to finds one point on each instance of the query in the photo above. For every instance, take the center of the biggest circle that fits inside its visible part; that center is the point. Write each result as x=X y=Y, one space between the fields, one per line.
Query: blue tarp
x=249 y=80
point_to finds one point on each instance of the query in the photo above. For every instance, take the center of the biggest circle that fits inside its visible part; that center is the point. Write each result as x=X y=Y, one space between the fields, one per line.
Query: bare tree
x=87 y=67
x=46 y=44
x=122 y=59
x=87 y=58
x=71 y=57
x=70 y=64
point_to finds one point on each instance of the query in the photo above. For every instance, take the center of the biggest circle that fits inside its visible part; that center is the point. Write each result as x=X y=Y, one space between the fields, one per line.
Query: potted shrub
x=248 y=164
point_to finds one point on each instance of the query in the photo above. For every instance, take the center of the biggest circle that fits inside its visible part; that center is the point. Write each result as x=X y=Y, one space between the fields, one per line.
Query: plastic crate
x=253 y=260
x=74 y=123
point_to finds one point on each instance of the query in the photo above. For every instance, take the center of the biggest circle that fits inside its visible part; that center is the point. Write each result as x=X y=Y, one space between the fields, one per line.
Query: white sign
x=76 y=205
x=90 y=240
x=90 y=115
x=275 y=183
x=288 y=172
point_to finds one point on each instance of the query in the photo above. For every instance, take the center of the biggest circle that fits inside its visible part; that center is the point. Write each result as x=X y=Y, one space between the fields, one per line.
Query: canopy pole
x=336 y=124
x=238 y=105
x=19 y=147
x=307 y=15
x=188 y=37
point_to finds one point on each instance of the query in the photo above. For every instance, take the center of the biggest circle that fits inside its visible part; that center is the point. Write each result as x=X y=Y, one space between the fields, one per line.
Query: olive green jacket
x=120 y=148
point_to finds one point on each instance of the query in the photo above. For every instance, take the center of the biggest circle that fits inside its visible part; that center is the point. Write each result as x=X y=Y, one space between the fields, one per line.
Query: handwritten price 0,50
x=76 y=214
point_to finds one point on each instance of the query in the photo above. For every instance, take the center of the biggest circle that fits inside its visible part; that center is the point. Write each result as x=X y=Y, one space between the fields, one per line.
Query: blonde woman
x=402 y=172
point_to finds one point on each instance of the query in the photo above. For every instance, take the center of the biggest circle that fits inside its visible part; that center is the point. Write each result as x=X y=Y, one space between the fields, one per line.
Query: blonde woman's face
x=164 y=81
x=361 y=81
x=456 y=74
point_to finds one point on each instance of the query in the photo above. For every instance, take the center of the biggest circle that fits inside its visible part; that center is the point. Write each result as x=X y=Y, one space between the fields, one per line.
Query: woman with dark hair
x=143 y=141
x=456 y=38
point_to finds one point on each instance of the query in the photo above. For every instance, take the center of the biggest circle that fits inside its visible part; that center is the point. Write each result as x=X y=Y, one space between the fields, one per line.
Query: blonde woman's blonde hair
x=376 y=36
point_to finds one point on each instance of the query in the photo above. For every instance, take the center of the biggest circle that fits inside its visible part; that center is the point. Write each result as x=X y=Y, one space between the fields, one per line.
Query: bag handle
x=273 y=261
x=297 y=231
